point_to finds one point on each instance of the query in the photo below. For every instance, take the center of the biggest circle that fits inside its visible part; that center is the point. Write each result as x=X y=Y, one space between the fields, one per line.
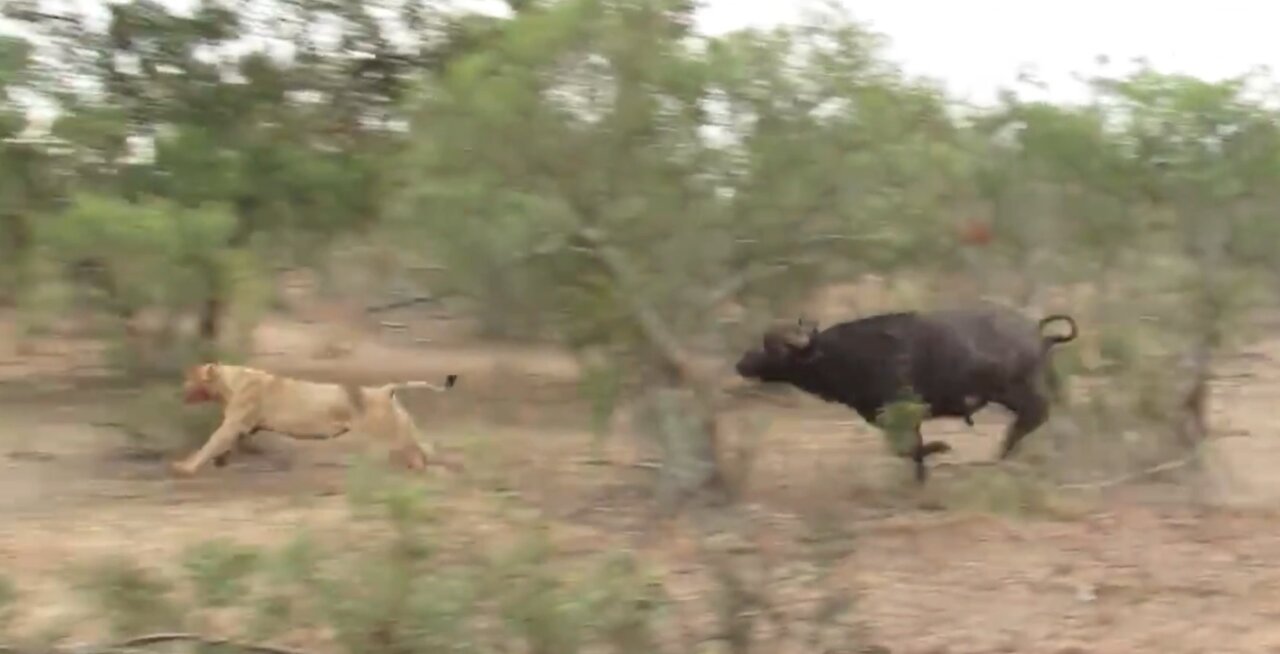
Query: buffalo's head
x=781 y=350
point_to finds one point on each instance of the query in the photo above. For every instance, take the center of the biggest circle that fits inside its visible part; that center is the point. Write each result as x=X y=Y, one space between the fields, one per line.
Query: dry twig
x=142 y=642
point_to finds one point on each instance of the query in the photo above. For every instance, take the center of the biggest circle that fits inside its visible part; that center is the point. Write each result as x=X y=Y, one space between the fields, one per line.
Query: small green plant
x=601 y=385
x=219 y=571
x=991 y=489
x=288 y=573
x=8 y=603
x=395 y=590
x=156 y=421
x=132 y=599
x=536 y=605
x=622 y=603
x=900 y=421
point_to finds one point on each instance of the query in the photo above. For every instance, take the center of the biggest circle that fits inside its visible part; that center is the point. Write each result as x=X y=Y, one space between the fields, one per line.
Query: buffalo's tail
x=1050 y=340
x=1052 y=380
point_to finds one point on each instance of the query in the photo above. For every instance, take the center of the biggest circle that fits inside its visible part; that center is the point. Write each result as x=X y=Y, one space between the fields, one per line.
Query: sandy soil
x=1121 y=574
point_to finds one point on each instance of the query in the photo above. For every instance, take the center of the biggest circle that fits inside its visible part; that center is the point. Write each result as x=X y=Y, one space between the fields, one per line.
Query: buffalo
x=954 y=361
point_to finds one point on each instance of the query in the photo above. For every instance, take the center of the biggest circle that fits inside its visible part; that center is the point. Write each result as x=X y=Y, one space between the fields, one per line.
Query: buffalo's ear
x=804 y=352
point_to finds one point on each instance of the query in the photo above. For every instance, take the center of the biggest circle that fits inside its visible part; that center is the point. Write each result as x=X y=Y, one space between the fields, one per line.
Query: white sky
x=976 y=46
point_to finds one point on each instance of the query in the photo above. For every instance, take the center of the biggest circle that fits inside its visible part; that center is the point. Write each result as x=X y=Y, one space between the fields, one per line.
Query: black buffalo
x=955 y=361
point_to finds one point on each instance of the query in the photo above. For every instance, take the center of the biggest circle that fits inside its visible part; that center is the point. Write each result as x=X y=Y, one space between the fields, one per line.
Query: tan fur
x=254 y=400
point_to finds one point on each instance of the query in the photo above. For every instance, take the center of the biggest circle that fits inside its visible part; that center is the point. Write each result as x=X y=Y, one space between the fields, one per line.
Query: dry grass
x=986 y=559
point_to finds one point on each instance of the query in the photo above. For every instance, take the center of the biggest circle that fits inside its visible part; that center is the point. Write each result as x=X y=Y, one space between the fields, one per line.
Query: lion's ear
x=208 y=372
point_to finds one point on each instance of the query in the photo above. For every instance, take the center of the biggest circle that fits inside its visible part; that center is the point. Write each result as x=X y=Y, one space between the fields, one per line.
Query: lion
x=254 y=400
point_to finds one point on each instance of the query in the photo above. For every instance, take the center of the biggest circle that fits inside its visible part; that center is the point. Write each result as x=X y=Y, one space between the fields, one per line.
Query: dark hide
x=957 y=361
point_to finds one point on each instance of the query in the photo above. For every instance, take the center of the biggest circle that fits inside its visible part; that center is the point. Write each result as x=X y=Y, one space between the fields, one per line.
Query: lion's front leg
x=244 y=444
x=218 y=445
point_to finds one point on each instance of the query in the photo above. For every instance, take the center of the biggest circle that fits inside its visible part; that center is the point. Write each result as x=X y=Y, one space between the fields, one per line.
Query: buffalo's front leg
x=919 y=451
x=923 y=451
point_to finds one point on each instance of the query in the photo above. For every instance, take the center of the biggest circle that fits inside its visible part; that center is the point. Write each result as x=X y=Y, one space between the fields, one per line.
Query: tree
x=164 y=107
x=1207 y=155
x=137 y=256
x=594 y=175
x=29 y=179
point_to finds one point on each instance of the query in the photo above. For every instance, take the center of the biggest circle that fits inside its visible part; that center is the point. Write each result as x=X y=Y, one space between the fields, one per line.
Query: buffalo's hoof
x=922 y=474
x=935 y=447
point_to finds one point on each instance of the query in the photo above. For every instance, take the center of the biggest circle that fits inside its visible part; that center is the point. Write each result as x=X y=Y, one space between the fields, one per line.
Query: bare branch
x=164 y=638
x=741 y=281
x=1134 y=476
x=399 y=304
x=654 y=328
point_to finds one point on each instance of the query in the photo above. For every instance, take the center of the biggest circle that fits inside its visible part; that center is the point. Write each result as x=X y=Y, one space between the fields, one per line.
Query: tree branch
x=655 y=330
x=1134 y=476
x=140 y=642
x=399 y=304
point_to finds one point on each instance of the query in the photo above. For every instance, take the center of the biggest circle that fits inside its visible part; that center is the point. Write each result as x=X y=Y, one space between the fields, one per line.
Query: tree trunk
x=211 y=321
x=15 y=254
x=687 y=426
x=212 y=309
x=1193 y=396
x=686 y=432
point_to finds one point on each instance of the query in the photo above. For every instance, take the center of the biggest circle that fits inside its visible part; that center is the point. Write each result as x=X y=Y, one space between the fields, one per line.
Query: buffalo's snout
x=760 y=365
x=749 y=365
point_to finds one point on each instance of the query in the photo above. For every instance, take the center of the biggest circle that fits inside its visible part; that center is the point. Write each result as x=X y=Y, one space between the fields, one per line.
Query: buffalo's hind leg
x=1030 y=409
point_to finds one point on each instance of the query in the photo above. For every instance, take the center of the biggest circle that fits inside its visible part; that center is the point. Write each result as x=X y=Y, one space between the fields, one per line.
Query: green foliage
x=596 y=172
x=601 y=384
x=900 y=421
x=388 y=590
x=156 y=421
x=286 y=575
x=517 y=169
x=149 y=256
x=155 y=250
x=132 y=599
x=8 y=601
x=623 y=603
x=219 y=570
x=998 y=491
x=535 y=603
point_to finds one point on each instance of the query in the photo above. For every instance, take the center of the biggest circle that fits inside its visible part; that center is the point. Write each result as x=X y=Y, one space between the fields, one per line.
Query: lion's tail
x=449 y=382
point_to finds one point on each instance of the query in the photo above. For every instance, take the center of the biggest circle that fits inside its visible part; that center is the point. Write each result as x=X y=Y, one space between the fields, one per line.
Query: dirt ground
x=1124 y=573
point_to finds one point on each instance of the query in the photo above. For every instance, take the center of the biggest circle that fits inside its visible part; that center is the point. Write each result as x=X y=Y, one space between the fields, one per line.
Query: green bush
x=392 y=591
x=8 y=600
x=156 y=256
x=219 y=571
x=156 y=421
x=130 y=598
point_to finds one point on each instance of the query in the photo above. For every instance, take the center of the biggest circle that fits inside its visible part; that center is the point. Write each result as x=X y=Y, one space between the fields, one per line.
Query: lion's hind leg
x=408 y=445
x=386 y=425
